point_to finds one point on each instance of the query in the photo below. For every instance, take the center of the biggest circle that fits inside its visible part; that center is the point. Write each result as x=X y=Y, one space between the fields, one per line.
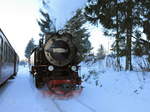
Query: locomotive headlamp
x=50 y=68
x=60 y=32
x=73 y=68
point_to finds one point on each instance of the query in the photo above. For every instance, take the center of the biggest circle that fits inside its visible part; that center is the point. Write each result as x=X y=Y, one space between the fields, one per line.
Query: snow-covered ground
x=104 y=91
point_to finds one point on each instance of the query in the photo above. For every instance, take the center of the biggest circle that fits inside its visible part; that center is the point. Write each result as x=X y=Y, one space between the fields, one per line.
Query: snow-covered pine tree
x=76 y=27
x=124 y=18
x=45 y=22
x=100 y=52
x=29 y=48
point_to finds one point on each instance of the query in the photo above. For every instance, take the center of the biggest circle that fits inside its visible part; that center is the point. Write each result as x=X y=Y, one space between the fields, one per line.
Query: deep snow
x=115 y=92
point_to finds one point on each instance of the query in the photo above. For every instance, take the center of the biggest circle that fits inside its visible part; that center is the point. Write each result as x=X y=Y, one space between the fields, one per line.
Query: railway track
x=85 y=105
x=57 y=106
x=79 y=102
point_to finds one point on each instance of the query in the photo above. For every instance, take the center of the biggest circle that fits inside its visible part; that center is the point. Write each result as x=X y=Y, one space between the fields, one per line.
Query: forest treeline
x=127 y=21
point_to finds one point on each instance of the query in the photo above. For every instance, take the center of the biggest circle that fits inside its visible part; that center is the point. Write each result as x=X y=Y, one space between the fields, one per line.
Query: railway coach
x=9 y=59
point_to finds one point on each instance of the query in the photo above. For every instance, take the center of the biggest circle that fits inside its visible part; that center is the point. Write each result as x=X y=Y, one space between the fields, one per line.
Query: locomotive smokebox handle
x=60 y=50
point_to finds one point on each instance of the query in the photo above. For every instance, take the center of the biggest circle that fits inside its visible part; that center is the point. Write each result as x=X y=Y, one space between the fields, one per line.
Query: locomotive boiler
x=55 y=62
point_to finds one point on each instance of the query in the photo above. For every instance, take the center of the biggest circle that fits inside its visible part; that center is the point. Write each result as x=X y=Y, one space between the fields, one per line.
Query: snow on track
x=21 y=95
x=72 y=105
x=117 y=94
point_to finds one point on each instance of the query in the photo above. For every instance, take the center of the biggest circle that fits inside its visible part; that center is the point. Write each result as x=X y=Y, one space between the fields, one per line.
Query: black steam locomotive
x=55 y=62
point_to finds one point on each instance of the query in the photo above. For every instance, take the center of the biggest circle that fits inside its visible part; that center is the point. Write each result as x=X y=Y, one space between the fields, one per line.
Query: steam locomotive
x=55 y=62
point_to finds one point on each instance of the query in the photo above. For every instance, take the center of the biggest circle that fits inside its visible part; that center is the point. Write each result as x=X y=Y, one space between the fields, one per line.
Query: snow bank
x=105 y=90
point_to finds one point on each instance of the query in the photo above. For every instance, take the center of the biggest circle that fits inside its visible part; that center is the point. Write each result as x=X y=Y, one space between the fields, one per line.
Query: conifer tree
x=125 y=18
x=81 y=35
x=29 y=48
x=45 y=22
x=100 y=52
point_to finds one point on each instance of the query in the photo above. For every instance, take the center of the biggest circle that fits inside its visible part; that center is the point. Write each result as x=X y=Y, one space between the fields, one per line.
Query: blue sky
x=18 y=20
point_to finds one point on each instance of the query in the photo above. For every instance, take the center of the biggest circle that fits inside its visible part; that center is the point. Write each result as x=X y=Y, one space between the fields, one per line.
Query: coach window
x=4 y=56
x=11 y=55
x=1 y=47
x=4 y=52
x=7 y=53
